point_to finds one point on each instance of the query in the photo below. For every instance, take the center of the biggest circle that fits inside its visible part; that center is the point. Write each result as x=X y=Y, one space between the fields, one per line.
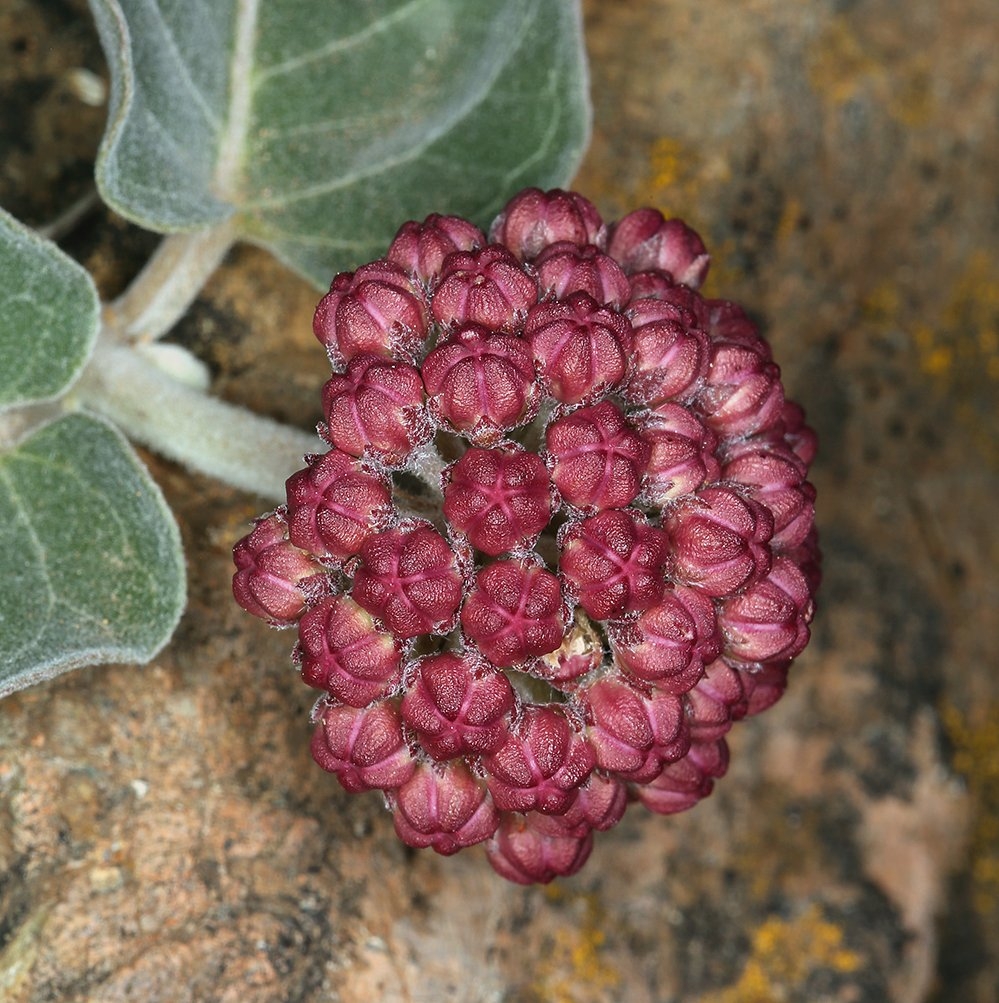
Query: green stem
x=169 y=283
x=182 y=423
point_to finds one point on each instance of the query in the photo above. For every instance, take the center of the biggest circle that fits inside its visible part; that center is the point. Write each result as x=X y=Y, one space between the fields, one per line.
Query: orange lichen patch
x=975 y=738
x=576 y=967
x=966 y=335
x=784 y=954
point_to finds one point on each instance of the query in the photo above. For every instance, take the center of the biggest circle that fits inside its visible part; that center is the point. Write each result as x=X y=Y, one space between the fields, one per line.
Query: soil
x=164 y=835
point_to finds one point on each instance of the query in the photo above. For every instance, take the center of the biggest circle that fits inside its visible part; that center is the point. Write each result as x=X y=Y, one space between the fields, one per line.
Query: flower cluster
x=562 y=538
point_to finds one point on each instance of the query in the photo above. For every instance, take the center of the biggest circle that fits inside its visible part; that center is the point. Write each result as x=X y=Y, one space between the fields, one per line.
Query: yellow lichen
x=975 y=739
x=784 y=954
x=575 y=964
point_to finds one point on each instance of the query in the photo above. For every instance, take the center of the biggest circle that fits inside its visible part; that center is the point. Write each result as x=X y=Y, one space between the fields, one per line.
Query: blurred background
x=164 y=835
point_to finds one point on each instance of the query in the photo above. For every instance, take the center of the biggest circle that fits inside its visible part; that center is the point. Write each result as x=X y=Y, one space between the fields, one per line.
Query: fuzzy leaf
x=49 y=316
x=322 y=126
x=90 y=556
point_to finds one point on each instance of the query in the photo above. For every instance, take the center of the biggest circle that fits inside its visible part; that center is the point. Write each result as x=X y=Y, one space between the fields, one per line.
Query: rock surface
x=164 y=835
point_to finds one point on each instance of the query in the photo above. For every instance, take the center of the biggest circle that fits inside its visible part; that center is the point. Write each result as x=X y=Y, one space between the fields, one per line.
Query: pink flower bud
x=457 y=706
x=669 y=644
x=565 y=268
x=671 y=356
x=533 y=219
x=597 y=458
x=659 y=285
x=581 y=348
x=644 y=239
x=614 y=563
x=408 y=577
x=769 y=620
x=377 y=310
x=376 y=408
x=719 y=541
x=716 y=702
x=540 y=764
x=420 y=248
x=600 y=804
x=364 y=747
x=499 y=499
x=633 y=733
x=344 y=653
x=521 y=852
x=728 y=323
x=335 y=504
x=443 y=806
x=773 y=476
x=742 y=392
x=481 y=384
x=487 y=286
x=272 y=576
x=681 y=456
x=515 y=613
x=764 y=684
x=683 y=783
x=808 y=557
x=799 y=437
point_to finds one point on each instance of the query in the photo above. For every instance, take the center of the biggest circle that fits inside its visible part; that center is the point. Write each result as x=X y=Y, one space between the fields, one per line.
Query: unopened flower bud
x=500 y=499
x=481 y=384
x=335 y=504
x=565 y=268
x=633 y=733
x=582 y=348
x=683 y=783
x=669 y=644
x=682 y=454
x=376 y=408
x=343 y=652
x=272 y=575
x=420 y=248
x=719 y=541
x=521 y=852
x=515 y=613
x=364 y=747
x=457 y=706
x=377 y=310
x=534 y=219
x=444 y=807
x=486 y=287
x=614 y=563
x=540 y=764
x=408 y=577
x=769 y=620
x=598 y=459
x=644 y=239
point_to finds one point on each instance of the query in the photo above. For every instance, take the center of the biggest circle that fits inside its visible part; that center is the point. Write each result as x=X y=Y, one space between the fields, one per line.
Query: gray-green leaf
x=49 y=316
x=90 y=556
x=323 y=126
